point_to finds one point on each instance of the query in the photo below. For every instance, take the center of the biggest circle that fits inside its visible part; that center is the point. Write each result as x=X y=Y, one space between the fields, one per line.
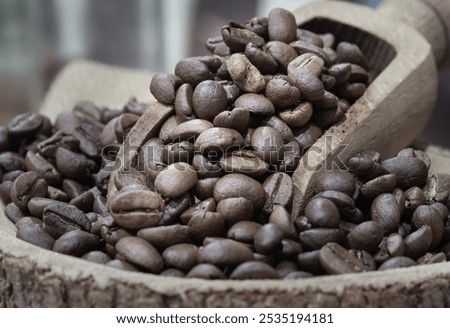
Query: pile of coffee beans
x=210 y=197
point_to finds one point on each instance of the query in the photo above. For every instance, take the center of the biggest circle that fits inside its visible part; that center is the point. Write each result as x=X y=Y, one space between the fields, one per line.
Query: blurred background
x=37 y=37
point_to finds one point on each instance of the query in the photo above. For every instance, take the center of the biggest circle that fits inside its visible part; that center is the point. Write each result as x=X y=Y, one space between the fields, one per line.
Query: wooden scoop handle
x=431 y=18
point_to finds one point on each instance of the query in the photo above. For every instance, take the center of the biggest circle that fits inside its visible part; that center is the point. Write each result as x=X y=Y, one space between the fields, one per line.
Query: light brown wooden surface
x=391 y=113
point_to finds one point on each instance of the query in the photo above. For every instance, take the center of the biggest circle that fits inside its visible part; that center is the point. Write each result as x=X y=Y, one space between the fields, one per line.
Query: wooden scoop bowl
x=388 y=117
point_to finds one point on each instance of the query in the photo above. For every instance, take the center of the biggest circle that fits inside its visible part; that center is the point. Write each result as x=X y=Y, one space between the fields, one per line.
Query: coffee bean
x=190 y=129
x=238 y=185
x=437 y=188
x=268 y=144
x=282 y=52
x=10 y=161
x=379 y=185
x=366 y=236
x=386 y=211
x=235 y=210
x=237 y=38
x=163 y=237
x=5 y=192
x=137 y=209
x=307 y=135
x=193 y=71
x=205 y=271
x=418 y=242
x=281 y=217
x=397 y=262
x=350 y=53
x=262 y=60
x=34 y=234
x=430 y=216
x=358 y=74
x=365 y=168
x=400 y=197
x=178 y=152
x=72 y=165
x=176 y=180
x=121 y=265
x=209 y=99
x=268 y=238
x=307 y=61
x=27 y=186
x=244 y=231
x=335 y=259
x=244 y=162
x=57 y=194
x=366 y=259
x=245 y=74
x=254 y=270
x=414 y=197
x=256 y=104
x=64 y=218
x=328 y=81
x=225 y=254
x=206 y=224
x=316 y=238
x=218 y=140
x=97 y=257
x=298 y=275
x=204 y=188
x=308 y=83
x=181 y=256
x=298 y=116
x=335 y=180
x=322 y=213
x=285 y=267
x=279 y=191
x=137 y=251
x=281 y=25
x=236 y=119
x=281 y=127
x=122 y=128
x=410 y=171
x=76 y=243
x=345 y=204
x=208 y=205
x=289 y=249
x=205 y=168
x=395 y=245
x=25 y=125
x=430 y=258
x=309 y=262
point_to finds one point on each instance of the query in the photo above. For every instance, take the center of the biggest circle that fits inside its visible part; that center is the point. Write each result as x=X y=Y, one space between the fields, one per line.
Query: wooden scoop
x=390 y=114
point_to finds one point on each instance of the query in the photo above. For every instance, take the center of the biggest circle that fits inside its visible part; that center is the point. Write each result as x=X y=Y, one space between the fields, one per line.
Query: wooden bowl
x=390 y=114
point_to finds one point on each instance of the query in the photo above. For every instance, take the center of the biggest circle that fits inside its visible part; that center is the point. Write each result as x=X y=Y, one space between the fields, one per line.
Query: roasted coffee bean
x=309 y=262
x=282 y=52
x=236 y=119
x=325 y=118
x=165 y=236
x=164 y=86
x=358 y=74
x=34 y=234
x=28 y=220
x=27 y=186
x=49 y=146
x=127 y=178
x=316 y=238
x=256 y=103
x=218 y=140
x=322 y=213
x=254 y=270
x=12 y=176
x=400 y=197
x=193 y=71
x=262 y=60
x=430 y=258
x=72 y=165
x=308 y=83
x=281 y=127
x=365 y=168
x=204 y=188
x=437 y=188
x=209 y=99
x=205 y=168
x=418 y=242
x=238 y=185
x=414 y=197
x=25 y=125
x=289 y=249
x=335 y=259
x=244 y=231
x=298 y=275
x=268 y=144
x=123 y=126
x=72 y=188
x=10 y=161
x=281 y=25
x=137 y=209
x=5 y=192
x=176 y=180
x=245 y=74
x=174 y=208
x=302 y=223
x=183 y=102
x=281 y=217
x=165 y=133
x=366 y=259
x=65 y=218
x=395 y=245
x=235 y=210
x=178 y=152
x=14 y=213
x=190 y=129
x=206 y=271
x=329 y=101
x=298 y=116
x=291 y=159
x=410 y=152
x=36 y=162
x=97 y=257
x=244 y=162
x=350 y=53
x=336 y=180
x=307 y=135
x=181 y=256
x=76 y=243
x=345 y=203
x=302 y=47
x=328 y=81
x=208 y=205
x=366 y=236
x=427 y=215
x=268 y=238
x=137 y=251
x=57 y=194
x=397 y=262
x=279 y=190
x=307 y=61
x=121 y=265
x=206 y=224
x=380 y=185
x=386 y=211
x=233 y=92
x=172 y=273
x=350 y=91
x=237 y=38
x=410 y=171
x=285 y=267
x=225 y=254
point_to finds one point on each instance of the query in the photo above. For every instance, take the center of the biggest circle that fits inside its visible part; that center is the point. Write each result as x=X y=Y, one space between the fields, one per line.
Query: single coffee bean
x=282 y=52
x=358 y=74
x=244 y=162
x=380 y=185
x=206 y=224
x=172 y=273
x=386 y=211
x=302 y=47
x=25 y=125
x=238 y=185
x=281 y=127
x=205 y=271
x=335 y=259
x=281 y=217
x=282 y=25
x=307 y=135
x=365 y=168
x=302 y=224
x=316 y=238
x=236 y=119
x=350 y=53
x=437 y=188
x=138 y=251
x=163 y=237
x=345 y=203
x=410 y=171
x=268 y=144
x=129 y=177
x=12 y=176
x=112 y=234
x=97 y=257
x=193 y=71
x=418 y=242
x=164 y=86
x=258 y=25
x=322 y=213
x=183 y=104
x=279 y=190
x=244 y=231
x=206 y=168
x=137 y=209
x=336 y=180
x=34 y=234
x=218 y=140
x=410 y=152
x=190 y=129
x=414 y=197
x=65 y=218
x=395 y=245
x=165 y=133
x=27 y=186
x=285 y=267
x=298 y=275
x=298 y=116
x=209 y=99
x=225 y=254
x=74 y=166
x=208 y=205
x=48 y=147
x=328 y=81
x=289 y=249
x=178 y=152
x=28 y=220
x=36 y=162
x=57 y=194
x=245 y=74
x=430 y=258
x=254 y=270
x=176 y=180
x=204 y=188
x=292 y=154
x=430 y=216
x=262 y=60
x=268 y=238
x=237 y=38
x=124 y=124
x=308 y=83
x=309 y=262
x=256 y=104
x=325 y=118
x=235 y=210
x=121 y=265
x=5 y=192
x=397 y=262
x=14 y=213
x=76 y=243
x=329 y=101
x=307 y=61
x=10 y=161
x=400 y=197
x=181 y=256
x=366 y=236
x=366 y=259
